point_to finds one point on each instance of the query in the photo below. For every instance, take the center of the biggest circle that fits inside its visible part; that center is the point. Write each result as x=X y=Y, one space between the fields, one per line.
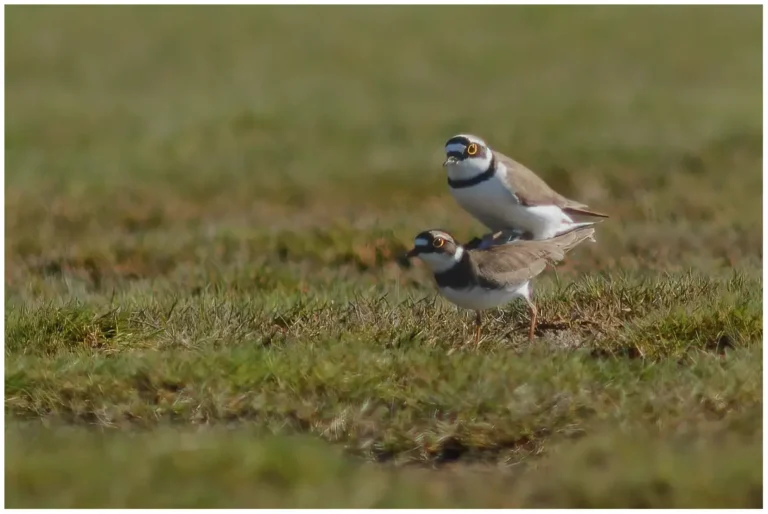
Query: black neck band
x=459 y=184
x=458 y=276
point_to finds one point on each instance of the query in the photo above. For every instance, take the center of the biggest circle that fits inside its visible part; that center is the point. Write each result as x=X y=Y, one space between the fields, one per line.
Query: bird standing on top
x=506 y=196
x=482 y=279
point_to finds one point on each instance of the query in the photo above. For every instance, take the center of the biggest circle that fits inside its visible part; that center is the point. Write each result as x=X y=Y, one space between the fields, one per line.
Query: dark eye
x=438 y=242
x=472 y=149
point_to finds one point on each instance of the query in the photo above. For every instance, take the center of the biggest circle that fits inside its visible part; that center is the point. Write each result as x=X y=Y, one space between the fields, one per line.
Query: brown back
x=530 y=189
x=522 y=260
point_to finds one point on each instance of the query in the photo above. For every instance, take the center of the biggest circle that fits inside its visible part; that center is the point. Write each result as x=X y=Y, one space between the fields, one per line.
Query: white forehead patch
x=420 y=241
x=455 y=147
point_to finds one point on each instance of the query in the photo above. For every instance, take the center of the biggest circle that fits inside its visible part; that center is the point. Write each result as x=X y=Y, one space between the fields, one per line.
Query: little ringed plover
x=504 y=195
x=481 y=279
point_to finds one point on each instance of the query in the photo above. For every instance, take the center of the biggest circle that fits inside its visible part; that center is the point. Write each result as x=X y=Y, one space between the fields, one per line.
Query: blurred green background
x=204 y=209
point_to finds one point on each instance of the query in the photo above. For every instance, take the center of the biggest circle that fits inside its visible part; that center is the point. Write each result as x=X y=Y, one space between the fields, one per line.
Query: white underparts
x=477 y=298
x=495 y=205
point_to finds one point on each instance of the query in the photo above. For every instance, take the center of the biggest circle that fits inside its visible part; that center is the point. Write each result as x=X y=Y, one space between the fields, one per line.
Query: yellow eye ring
x=438 y=243
x=472 y=149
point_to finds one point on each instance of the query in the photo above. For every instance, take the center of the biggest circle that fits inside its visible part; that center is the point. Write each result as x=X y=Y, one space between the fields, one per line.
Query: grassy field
x=204 y=302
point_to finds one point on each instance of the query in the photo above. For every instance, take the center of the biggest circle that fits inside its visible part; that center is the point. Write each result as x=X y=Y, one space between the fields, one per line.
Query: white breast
x=479 y=299
x=496 y=207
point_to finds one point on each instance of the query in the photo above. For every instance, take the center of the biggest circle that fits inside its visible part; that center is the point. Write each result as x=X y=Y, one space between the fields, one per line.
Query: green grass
x=205 y=303
x=181 y=468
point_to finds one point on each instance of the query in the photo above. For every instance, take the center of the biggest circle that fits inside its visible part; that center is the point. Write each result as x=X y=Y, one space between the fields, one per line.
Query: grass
x=173 y=468
x=203 y=286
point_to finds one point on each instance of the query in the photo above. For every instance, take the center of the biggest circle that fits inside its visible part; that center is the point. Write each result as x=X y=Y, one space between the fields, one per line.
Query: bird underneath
x=481 y=279
x=505 y=196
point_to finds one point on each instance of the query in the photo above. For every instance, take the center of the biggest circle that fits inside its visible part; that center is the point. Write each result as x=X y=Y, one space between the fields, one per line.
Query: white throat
x=440 y=262
x=468 y=168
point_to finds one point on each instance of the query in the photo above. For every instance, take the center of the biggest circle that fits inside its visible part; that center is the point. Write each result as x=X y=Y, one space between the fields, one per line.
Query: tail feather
x=576 y=233
x=572 y=227
x=583 y=212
